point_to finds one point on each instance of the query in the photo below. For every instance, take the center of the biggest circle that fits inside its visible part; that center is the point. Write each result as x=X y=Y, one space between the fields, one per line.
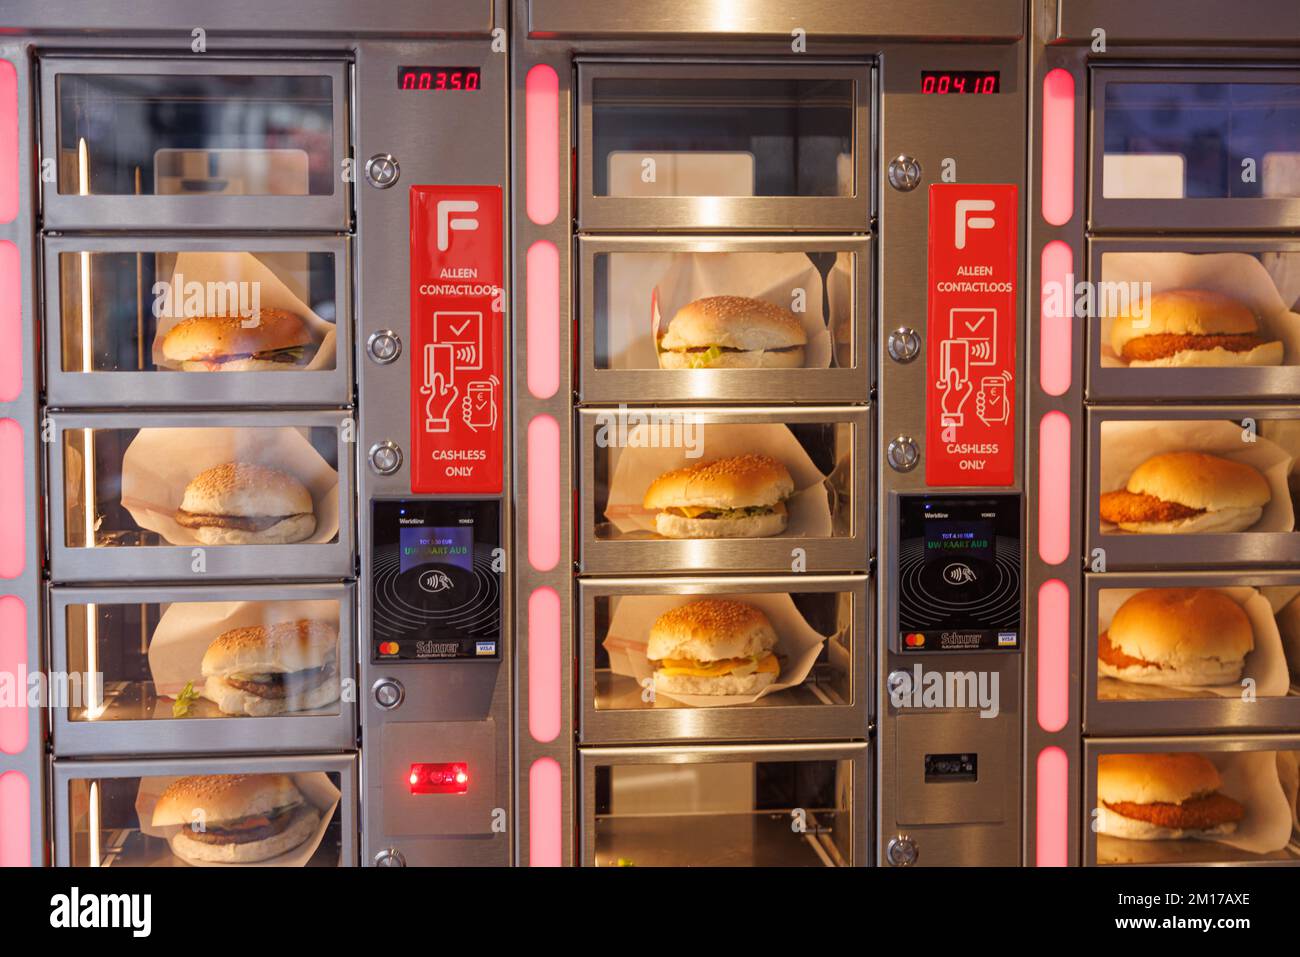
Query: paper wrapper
x=1127 y=444
x=227 y=267
x=809 y=508
x=797 y=644
x=186 y=629
x=1288 y=773
x=772 y=277
x=315 y=786
x=1251 y=778
x=1235 y=274
x=1266 y=665
x=1288 y=624
x=159 y=463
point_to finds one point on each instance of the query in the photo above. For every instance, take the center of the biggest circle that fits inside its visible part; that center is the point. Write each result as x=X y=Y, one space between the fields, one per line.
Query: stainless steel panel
x=1158 y=385
x=859 y=784
x=1180 y=711
x=991 y=798
x=1146 y=215
x=849 y=384
x=1133 y=551
x=296 y=17
x=322 y=212
x=1102 y=849
x=846 y=552
x=345 y=766
x=177 y=562
x=287 y=732
x=776 y=716
x=328 y=387
x=945 y=19
x=422 y=816
x=850 y=213
x=1192 y=21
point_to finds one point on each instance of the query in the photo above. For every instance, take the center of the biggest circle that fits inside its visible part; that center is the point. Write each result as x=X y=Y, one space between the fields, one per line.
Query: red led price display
x=960 y=81
x=439 y=78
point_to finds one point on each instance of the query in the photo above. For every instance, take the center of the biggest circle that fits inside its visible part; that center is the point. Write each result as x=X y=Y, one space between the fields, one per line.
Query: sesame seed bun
x=736 y=482
x=221 y=798
x=750 y=332
x=272 y=649
x=709 y=630
x=1194 y=328
x=206 y=342
x=239 y=503
x=1179 y=636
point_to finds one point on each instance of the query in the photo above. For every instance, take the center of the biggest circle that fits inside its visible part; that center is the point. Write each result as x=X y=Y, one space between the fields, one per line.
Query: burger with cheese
x=1177 y=636
x=1183 y=493
x=1192 y=327
x=713 y=646
x=1151 y=797
x=738 y=497
x=235 y=818
x=239 y=503
x=732 y=332
x=274 y=340
x=270 y=669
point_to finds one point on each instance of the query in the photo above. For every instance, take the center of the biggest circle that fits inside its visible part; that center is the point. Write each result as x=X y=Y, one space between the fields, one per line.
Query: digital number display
x=960 y=81
x=439 y=78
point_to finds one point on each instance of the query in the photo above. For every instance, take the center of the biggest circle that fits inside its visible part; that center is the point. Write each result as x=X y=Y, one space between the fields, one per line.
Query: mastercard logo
x=914 y=640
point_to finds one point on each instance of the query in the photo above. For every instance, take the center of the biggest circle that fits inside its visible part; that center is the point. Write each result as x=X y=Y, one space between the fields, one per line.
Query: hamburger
x=1181 y=493
x=276 y=340
x=732 y=332
x=738 y=497
x=239 y=503
x=1151 y=797
x=269 y=669
x=713 y=646
x=1177 y=636
x=1192 y=327
x=235 y=818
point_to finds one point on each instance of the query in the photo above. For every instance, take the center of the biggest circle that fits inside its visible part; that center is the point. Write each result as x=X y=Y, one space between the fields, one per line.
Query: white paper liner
x=1288 y=625
x=226 y=267
x=809 y=508
x=772 y=277
x=1234 y=274
x=315 y=786
x=1288 y=773
x=797 y=644
x=1265 y=665
x=159 y=463
x=1251 y=778
x=1127 y=444
x=186 y=630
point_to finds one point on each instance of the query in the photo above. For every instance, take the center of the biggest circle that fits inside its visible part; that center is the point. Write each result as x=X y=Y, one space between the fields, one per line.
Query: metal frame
x=1212 y=215
x=849 y=213
x=345 y=766
x=162 y=387
x=770 y=718
x=1158 y=385
x=287 y=732
x=1204 y=715
x=859 y=753
x=174 y=562
x=724 y=385
x=1133 y=551
x=1167 y=853
x=834 y=553
x=151 y=212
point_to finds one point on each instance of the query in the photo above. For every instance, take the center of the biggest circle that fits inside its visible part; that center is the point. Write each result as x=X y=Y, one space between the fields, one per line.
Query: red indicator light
x=447 y=778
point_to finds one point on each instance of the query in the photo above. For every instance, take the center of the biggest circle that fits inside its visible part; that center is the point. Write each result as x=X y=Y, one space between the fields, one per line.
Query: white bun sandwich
x=239 y=503
x=1185 y=493
x=732 y=332
x=738 y=497
x=1151 y=797
x=713 y=646
x=235 y=818
x=274 y=340
x=1177 y=636
x=1192 y=327
x=270 y=669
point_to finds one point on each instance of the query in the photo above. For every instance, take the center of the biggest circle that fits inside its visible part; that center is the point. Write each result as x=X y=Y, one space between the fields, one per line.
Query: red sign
x=971 y=343
x=457 y=313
